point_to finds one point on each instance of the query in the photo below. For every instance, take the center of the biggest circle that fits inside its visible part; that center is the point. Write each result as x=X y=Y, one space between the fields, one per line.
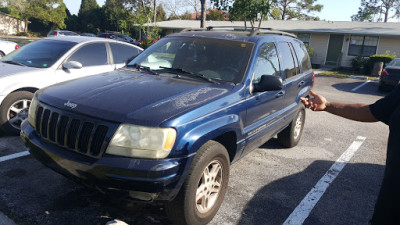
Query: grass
x=344 y=74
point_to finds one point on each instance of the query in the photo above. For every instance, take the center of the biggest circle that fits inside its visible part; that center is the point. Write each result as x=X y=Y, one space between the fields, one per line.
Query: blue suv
x=167 y=126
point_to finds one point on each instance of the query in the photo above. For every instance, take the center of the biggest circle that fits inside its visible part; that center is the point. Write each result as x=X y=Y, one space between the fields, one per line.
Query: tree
x=215 y=14
x=89 y=16
x=295 y=9
x=250 y=10
x=52 y=12
x=369 y=9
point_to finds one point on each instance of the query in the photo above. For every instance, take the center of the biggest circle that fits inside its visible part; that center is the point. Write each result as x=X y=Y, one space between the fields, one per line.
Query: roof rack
x=253 y=32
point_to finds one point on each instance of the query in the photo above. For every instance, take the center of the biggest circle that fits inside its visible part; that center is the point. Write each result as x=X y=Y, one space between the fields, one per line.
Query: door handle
x=280 y=94
x=302 y=83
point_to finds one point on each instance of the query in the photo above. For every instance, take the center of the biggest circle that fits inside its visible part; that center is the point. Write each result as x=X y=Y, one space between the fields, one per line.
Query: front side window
x=221 y=60
x=267 y=62
x=40 y=54
x=91 y=55
x=123 y=53
x=362 y=45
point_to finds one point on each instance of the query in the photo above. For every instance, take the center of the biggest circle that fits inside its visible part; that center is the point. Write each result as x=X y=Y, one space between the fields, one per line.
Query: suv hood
x=7 y=69
x=135 y=98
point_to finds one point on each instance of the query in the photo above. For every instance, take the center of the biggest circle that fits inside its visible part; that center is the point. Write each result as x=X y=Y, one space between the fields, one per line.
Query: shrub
x=358 y=63
x=385 y=58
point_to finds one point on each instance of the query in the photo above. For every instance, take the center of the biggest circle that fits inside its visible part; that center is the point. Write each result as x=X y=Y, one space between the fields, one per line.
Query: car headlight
x=142 y=142
x=32 y=111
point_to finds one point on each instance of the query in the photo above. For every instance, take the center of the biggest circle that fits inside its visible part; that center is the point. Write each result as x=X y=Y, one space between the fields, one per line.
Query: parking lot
x=332 y=177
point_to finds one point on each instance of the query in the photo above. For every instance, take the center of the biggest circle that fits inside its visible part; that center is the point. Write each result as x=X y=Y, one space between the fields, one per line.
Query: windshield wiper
x=181 y=71
x=145 y=68
x=14 y=62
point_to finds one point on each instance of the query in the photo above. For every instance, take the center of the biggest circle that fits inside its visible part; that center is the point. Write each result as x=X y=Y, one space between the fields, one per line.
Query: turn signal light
x=384 y=73
x=16 y=47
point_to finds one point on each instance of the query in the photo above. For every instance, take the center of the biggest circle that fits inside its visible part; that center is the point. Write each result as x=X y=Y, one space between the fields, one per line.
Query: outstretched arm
x=358 y=112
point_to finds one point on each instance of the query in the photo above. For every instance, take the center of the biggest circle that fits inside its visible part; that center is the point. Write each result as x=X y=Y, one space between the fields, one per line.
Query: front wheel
x=14 y=110
x=291 y=135
x=204 y=189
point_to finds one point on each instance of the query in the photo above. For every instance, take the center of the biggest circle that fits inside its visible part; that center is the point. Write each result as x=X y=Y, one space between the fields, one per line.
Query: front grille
x=73 y=132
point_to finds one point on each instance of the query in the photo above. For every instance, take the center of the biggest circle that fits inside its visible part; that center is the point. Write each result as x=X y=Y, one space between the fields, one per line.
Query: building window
x=363 y=45
x=304 y=37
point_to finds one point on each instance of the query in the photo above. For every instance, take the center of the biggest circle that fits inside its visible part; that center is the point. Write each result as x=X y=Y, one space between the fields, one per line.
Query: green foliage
x=366 y=65
x=310 y=51
x=295 y=9
x=52 y=12
x=10 y=11
x=250 y=10
x=216 y=15
x=358 y=63
x=369 y=9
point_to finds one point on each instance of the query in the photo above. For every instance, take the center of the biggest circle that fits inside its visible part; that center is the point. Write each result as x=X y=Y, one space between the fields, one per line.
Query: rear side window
x=267 y=62
x=123 y=53
x=302 y=55
x=287 y=60
x=91 y=55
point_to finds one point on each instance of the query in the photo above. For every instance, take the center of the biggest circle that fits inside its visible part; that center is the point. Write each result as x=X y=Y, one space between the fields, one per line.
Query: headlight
x=32 y=111
x=142 y=142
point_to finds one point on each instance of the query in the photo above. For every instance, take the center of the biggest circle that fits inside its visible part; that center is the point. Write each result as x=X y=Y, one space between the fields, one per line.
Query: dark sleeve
x=384 y=108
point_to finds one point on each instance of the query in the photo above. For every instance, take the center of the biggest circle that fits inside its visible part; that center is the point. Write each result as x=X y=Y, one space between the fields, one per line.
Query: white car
x=50 y=61
x=7 y=47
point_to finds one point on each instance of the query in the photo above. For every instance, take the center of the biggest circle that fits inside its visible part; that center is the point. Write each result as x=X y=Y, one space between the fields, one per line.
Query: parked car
x=7 y=47
x=166 y=127
x=88 y=35
x=119 y=37
x=49 y=61
x=61 y=33
x=390 y=75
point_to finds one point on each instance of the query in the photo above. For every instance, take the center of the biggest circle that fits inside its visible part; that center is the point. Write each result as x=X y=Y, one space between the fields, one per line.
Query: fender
x=200 y=134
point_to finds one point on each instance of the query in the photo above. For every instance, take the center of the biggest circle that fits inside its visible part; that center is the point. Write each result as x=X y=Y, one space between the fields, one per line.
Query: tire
x=291 y=135
x=13 y=110
x=198 y=202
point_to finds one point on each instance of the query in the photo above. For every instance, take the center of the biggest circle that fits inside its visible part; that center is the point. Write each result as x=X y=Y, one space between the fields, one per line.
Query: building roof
x=337 y=27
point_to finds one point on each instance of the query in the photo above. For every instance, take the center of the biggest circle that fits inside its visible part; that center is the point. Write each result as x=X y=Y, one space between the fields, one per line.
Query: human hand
x=316 y=103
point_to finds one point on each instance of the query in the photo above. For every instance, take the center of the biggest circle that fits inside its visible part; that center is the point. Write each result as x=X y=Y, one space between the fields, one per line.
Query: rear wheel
x=204 y=189
x=291 y=135
x=13 y=110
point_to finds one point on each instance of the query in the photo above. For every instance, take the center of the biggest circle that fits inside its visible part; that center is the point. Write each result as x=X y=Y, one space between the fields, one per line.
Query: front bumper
x=139 y=179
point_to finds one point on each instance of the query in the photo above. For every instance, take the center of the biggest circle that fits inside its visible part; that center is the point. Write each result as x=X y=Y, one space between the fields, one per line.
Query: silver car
x=7 y=47
x=50 y=61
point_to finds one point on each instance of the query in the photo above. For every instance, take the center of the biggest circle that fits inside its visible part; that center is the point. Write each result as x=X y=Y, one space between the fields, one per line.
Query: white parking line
x=303 y=210
x=13 y=156
x=360 y=86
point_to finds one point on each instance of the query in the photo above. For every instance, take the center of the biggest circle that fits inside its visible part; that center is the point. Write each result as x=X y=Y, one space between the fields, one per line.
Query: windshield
x=395 y=62
x=222 y=60
x=40 y=54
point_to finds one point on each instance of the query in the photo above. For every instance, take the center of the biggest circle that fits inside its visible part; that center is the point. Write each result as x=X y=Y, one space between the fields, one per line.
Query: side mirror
x=72 y=65
x=268 y=83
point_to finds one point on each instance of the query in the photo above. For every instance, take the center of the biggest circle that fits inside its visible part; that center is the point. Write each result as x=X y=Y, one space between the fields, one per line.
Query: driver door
x=94 y=60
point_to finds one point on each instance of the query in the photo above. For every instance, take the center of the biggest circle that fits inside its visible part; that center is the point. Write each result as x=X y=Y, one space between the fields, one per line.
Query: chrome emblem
x=71 y=105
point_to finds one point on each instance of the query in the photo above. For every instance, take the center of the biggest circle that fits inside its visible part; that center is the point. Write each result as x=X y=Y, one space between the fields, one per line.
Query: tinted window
x=91 y=55
x=295 y=58
x=41 y=54
x=267 y=62
x=302 y=55
x=122 y=53
x=286 y=59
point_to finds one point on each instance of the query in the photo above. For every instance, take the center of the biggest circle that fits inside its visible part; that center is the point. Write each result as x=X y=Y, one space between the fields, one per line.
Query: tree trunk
x=155 y=11
x=203 y=13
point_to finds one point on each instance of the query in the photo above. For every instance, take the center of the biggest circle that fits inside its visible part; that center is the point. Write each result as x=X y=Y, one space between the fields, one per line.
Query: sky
x=334 y=10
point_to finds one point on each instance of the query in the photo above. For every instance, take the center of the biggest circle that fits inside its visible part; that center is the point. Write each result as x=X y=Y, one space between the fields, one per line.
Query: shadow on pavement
x=349 y=201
